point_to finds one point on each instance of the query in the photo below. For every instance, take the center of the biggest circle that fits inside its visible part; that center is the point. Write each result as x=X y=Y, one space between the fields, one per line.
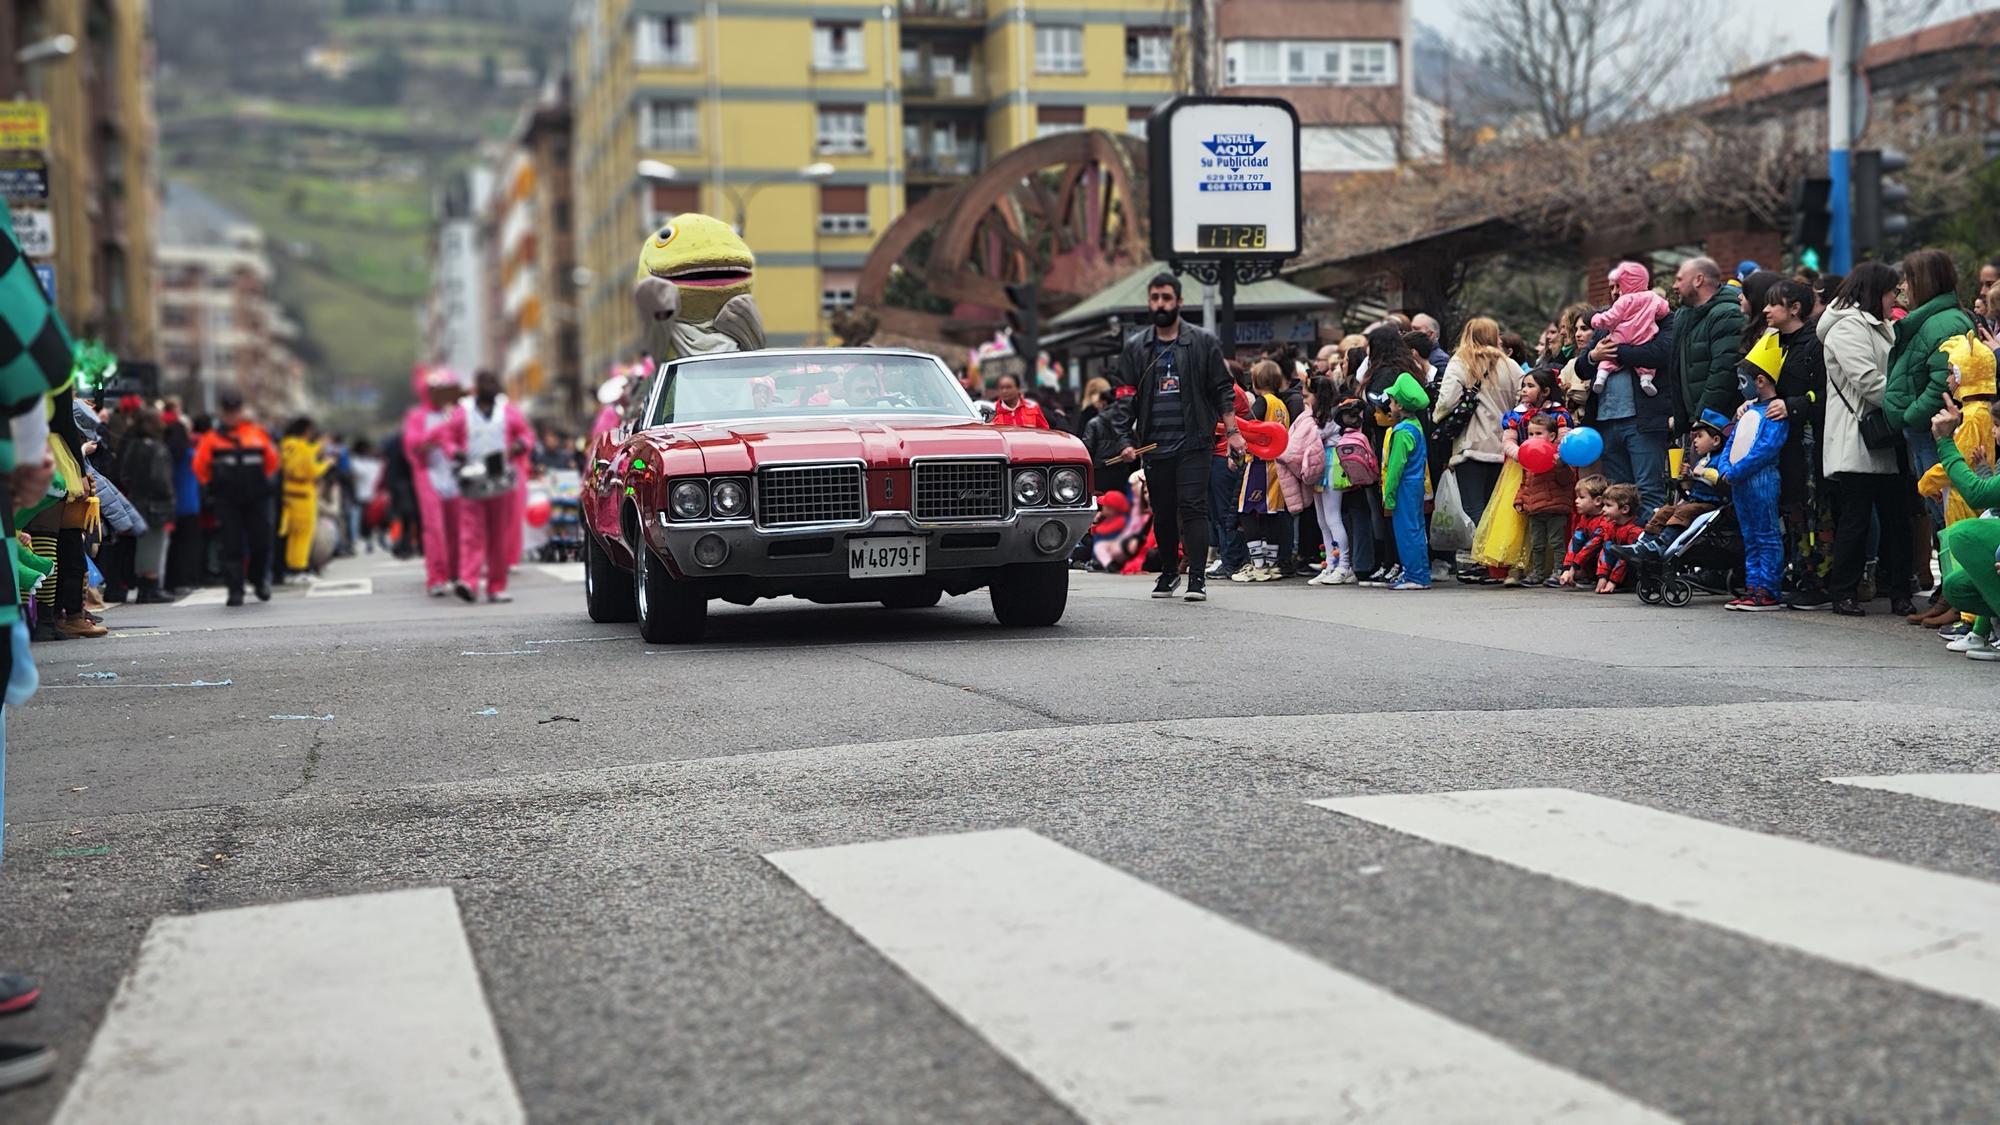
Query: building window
x=843 y=129
x=664 y=201
x=664 y=41
x=668 y=126
x=1308 y=62
x=843 y=209
x=1369 y=64
x=1058 y=48
x=1053 y=119
x=837 y=46
x=1149 y=50
x=1347 y=148
x=1136 y=119
x=836 y=290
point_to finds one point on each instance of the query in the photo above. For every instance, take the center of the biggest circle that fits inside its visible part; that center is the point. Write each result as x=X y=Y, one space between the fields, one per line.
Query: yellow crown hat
x=1766 y=356
x=1973 y=361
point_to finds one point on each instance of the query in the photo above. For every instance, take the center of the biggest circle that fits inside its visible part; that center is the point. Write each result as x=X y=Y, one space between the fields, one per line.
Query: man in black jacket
x=1701 y=345
x=1182 y=389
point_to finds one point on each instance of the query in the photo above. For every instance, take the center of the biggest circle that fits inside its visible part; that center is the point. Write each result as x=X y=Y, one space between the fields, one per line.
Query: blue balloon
x=1580 y=447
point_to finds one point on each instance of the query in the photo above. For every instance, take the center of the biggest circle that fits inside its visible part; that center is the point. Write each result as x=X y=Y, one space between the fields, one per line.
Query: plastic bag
x=1451 y=528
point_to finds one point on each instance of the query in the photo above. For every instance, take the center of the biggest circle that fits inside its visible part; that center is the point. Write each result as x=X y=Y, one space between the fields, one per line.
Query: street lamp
x=54 y=47
x=654 y=171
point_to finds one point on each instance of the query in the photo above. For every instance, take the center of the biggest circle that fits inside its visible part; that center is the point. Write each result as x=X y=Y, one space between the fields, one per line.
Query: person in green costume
x=1971 y=547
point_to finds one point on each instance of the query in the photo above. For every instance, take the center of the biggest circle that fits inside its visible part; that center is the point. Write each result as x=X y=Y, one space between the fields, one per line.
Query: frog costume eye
x=664 y=235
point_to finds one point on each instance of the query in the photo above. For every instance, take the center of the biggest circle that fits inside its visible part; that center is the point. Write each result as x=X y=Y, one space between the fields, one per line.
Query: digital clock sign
x=1230 y=236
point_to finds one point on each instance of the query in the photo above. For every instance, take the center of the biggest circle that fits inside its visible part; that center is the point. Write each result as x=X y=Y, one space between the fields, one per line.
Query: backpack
x=1355 y=455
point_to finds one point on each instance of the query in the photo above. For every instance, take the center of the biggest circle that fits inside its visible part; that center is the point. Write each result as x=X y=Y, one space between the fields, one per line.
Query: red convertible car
x=835 y=475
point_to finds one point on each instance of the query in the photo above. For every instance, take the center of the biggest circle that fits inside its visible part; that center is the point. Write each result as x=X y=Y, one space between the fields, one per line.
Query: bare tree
x=1578 y=65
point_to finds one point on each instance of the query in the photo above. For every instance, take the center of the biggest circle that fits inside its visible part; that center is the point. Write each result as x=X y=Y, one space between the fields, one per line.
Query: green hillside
x=327 y=122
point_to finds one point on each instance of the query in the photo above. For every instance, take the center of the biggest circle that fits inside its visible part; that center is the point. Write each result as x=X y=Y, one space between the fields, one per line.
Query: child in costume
x=1971 y=546
x=1545 y=499
x=1586 y=530
x=1302 y=466
x=1699 y=491
x=1619 y=525
x=302 y=465
x=1404 y=474
x=1500 y=542
x=434 y=477
x=1971 y=382
x=1334 y=483
x=1634 y=318
x=1749 y=466
x=1261 y=500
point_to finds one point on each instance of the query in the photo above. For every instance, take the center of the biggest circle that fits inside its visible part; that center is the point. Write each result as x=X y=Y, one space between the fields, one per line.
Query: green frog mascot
x=693 y=289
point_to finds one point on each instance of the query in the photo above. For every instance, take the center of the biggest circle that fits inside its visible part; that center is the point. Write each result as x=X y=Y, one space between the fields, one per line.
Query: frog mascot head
x=693 y=289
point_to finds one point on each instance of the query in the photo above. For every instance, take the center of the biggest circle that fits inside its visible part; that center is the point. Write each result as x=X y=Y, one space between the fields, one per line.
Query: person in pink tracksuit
x=1633 y=318
x=434 y=476
x=487 y=438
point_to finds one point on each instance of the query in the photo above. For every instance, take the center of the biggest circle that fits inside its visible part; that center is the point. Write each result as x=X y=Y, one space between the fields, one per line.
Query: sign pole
x=1225 y=324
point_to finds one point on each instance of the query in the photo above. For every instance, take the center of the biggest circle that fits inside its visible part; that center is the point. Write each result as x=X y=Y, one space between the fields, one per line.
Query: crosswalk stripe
x=1933 y=930
x=1129 y=1004
x=207 y=595
x=341 y=588
x=1978 y=790
x=361 y=1008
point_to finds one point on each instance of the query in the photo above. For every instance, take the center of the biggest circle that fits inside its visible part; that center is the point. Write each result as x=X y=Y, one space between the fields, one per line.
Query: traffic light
x=1024 y=321
x=1812 y=218
x=1880 y=217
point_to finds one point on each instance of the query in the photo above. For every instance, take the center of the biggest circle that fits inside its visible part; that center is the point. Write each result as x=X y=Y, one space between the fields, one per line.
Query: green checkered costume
x=35 y=362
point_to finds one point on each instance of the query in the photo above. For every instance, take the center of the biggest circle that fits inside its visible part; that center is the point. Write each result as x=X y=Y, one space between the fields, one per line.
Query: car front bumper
x=820 y=552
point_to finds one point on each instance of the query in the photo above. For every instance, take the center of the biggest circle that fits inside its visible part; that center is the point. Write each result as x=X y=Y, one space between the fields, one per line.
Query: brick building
x=219 y=326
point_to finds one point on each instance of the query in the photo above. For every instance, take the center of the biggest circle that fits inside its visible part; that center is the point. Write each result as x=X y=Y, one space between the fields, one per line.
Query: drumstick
x=1144 y=449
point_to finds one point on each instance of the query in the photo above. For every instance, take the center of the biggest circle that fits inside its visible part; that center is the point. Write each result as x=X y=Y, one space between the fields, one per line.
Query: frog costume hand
x=693 y=289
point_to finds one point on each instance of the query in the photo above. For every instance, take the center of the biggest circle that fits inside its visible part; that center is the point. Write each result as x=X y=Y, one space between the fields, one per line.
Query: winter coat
x=147 y=468
x=1023 y=413
x=1547 y=494
x=1302 y=463
x=1802 y=385
x=1857 y=344
x=1917 y=368
x=1206 y=390
x=1498 y=393
x=187 y=488
x=1700 y=347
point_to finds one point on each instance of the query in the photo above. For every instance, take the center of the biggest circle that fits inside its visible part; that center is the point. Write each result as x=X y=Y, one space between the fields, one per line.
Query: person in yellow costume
x=1971 y=382
x=302 y=464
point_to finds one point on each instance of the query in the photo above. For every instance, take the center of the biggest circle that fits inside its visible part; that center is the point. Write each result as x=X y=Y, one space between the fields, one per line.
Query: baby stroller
x=1707 y=558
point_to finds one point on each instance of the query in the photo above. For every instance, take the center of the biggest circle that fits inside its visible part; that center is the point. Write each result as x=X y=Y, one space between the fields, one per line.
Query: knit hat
x=1973 y=361
x=1745 y=268
x=1629 y=277
x=1715 y=421
x=1409 y=394
x=1765 y=357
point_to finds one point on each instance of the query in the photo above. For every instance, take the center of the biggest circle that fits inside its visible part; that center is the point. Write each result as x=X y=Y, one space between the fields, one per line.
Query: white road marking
x=1978 y=790
x=107 y=686
x=1129 y=1004
x=1936 y=931
x=343 y=588
x=911 y=642
x=207 y=595
x=362 y=1008
x=562 y=572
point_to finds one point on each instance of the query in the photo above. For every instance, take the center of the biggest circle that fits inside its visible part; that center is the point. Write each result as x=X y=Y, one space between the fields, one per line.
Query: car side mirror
x=985 y=409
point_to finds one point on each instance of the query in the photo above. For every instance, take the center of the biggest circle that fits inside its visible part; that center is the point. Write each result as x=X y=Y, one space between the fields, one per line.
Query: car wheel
x=919 y=599
x=1031 y=594
x=607 y=590
x=671 y=611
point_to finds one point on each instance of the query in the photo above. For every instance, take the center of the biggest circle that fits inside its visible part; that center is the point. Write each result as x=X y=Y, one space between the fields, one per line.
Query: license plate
x=885 y=558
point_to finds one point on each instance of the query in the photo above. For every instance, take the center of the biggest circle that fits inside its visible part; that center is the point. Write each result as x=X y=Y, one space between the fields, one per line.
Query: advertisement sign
x=37 y=231
x=24 y=181
x=24 y=125
x=1225 y=178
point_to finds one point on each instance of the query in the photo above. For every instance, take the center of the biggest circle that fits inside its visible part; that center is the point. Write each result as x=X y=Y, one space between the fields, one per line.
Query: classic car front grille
x=959 y=490
x=788 y=497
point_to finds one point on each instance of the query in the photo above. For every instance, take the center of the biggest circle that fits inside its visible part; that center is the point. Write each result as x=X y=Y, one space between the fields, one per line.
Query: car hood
x=742 y=447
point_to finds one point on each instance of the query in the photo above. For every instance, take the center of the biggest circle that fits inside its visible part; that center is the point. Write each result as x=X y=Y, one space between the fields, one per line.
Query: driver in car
x=861 y=387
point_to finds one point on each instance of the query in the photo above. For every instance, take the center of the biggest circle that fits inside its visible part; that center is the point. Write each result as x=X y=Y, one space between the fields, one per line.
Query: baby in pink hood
x=1632 y=319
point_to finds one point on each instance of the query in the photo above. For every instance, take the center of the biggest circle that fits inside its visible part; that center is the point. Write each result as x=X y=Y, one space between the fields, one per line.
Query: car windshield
x=826 y=385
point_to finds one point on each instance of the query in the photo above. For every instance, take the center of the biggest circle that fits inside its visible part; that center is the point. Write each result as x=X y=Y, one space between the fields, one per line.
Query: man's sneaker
x=1849 y=607
x=1168 y=583
x=1242 y=573
x=1954 y=631
x=1197 y=590
x=1395 y=574
x=1986 y=652
x=1378 y=577
x=1343 y=577
x=17 y=993
x=1266 y=574
x=1408 y=585
x=22 y=1063
x=1809 y=600
x=1216 y=569
x=1323 y=578
x=1968 y=642
x=1756 y=601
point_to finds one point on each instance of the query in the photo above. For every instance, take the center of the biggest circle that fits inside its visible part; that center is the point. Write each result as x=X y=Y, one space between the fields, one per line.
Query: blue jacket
x=187 y=487
x=1761 y=459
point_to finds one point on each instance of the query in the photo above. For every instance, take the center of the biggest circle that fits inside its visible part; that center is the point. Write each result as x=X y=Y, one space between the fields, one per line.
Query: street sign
x=36 y=229
x=24 y=125
x=1225 y=179
x=47 y=276
x=24 y=181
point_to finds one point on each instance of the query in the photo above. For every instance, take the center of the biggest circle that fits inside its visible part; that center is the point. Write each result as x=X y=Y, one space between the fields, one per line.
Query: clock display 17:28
x=1229 y=236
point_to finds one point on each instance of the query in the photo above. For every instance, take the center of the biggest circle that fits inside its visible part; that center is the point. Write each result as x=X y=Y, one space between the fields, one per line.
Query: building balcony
x=958 y=89
x=945 y=164
x=944 y=15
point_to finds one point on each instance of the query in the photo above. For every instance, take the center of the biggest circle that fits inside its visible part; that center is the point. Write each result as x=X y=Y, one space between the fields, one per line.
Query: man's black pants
x=246 y=528
x=1178 y=485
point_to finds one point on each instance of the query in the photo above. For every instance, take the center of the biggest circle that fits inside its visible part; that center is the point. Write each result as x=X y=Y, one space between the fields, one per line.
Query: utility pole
x=1198 y=47
x=1846 y=119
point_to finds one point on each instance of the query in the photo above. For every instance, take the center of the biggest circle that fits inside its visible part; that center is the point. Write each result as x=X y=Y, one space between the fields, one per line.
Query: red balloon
x=1538 y=455
x=538 y=511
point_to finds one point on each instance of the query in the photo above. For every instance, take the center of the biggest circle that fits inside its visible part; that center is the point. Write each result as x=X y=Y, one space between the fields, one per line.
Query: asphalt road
x=1092 y=884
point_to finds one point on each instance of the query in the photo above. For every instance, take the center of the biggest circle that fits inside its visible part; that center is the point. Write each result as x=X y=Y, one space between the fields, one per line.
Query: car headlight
x=1031 y=487
x=688 y=500
x=730 y=498
x=1066 y=485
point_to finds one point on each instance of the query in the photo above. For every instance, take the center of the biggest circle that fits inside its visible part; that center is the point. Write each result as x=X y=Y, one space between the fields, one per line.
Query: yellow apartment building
x=814 y=125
